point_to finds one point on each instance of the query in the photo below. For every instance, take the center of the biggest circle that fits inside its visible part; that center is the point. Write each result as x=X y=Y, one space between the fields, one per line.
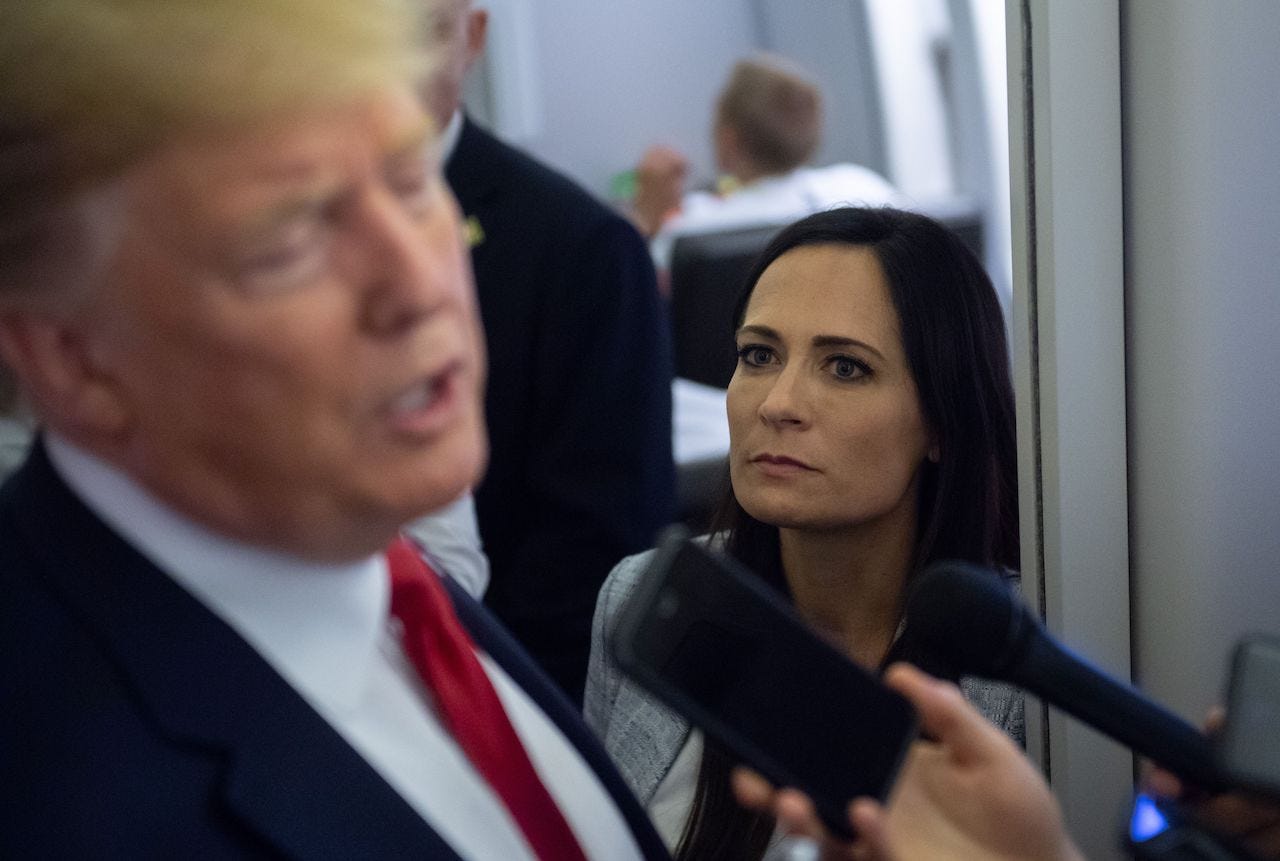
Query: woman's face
x=825 y=425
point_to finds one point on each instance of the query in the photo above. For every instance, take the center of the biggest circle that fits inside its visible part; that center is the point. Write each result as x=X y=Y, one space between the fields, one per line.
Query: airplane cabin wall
x=1201 y=127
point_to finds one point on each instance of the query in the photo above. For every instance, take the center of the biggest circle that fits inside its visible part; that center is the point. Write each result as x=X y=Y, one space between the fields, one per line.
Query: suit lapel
x=289 y=775
x=469 y=171
x=489 y=635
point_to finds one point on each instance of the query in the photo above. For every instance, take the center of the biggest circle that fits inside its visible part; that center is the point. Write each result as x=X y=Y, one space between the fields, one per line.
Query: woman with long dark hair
x=871 y=432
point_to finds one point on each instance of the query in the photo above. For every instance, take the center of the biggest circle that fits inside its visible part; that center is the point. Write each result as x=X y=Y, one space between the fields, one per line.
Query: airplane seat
x=707 y=274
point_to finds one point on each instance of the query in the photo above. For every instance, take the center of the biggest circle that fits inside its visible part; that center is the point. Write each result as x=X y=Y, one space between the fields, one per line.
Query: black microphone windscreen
x=967 y=616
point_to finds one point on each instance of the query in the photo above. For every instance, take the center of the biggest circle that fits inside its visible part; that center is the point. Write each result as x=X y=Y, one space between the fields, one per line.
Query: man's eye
x=291 y=259
x=413 y=184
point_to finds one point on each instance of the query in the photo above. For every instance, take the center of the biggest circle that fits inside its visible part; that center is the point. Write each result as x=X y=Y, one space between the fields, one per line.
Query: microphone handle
x=1117 y=710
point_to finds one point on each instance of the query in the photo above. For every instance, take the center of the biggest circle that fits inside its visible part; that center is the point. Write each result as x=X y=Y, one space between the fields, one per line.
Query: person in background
x=871 y=432
x=234 y=290
x=580 y=368
x=768 y=125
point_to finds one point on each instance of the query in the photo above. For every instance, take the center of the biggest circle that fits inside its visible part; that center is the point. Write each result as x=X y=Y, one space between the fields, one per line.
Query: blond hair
x=776 y=111
x=88 y=87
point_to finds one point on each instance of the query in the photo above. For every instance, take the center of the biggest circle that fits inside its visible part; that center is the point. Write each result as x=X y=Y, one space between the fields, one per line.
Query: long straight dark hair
x=953 y=335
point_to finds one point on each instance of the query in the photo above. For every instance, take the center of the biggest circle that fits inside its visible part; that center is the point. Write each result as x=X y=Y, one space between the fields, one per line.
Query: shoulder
x=1000 y=703
x=850 y=184
x=641 y=734
x=621 y=583
x=627 y=574
x=482 y=159
x=772 y=203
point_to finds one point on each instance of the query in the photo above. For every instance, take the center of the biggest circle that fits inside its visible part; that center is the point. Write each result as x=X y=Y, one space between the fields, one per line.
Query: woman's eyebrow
x=759 y=331
x=823 y=341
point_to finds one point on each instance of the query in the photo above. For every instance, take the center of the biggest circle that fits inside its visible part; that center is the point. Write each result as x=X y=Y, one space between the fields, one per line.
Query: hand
x=971 y=794
x=660 y=179
x=795 y=814
x=1252 y=820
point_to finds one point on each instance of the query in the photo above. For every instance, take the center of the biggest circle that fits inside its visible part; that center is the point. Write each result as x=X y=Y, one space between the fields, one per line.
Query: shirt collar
x=767 y=183
x=449 y=138
x=317 y=624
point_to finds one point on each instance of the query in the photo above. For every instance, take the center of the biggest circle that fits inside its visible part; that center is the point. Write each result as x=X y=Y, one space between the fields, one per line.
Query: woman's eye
x=847 y=368
x=755 y=355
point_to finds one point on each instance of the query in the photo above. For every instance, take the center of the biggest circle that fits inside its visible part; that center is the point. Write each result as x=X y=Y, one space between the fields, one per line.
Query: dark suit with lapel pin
x=579 y=396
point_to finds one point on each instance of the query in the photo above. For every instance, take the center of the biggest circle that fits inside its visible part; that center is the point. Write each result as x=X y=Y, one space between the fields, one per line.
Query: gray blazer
x=644 y=737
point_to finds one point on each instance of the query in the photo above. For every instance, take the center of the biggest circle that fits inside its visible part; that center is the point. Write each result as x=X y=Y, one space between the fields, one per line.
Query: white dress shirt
x=326 y=630
x=773 y=200
x=451 y=536
x=672 y=801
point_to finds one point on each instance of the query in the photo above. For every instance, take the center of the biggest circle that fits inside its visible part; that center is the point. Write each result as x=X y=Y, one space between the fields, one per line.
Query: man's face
x=289 y=328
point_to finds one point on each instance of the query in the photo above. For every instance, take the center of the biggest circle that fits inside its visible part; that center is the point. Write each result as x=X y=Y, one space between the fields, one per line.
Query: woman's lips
x=780 y=465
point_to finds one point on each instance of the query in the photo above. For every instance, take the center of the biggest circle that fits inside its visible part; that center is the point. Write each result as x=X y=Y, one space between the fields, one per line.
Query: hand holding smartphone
x=718 y=646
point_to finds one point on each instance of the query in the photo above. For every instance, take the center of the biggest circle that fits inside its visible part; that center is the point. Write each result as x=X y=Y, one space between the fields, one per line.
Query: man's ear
x=50 y=358
x=477 y=34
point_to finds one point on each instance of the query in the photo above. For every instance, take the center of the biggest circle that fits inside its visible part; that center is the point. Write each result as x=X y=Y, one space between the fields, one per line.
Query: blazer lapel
x=289 y=775
x=469 y=170
x=494 y=639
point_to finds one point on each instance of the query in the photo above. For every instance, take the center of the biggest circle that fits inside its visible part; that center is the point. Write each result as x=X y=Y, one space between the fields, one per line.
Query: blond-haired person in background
x=766 y=130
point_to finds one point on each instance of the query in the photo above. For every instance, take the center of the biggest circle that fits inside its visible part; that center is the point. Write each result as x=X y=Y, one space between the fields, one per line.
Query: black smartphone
x=721 y=648
x=1246 y=747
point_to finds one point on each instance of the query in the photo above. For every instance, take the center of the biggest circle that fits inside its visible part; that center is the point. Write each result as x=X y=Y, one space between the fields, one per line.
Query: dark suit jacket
x=579 y=397
x=134 y=723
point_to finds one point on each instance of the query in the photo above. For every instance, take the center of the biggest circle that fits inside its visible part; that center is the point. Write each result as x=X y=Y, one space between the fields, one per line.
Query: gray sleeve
x=603 y=677
x=1003 y=705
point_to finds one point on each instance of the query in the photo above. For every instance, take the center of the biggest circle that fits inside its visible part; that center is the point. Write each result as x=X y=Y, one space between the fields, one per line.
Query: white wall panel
x=1202 y=180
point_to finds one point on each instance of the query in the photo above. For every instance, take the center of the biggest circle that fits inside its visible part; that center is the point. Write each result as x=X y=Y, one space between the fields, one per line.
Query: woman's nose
x=785 y=404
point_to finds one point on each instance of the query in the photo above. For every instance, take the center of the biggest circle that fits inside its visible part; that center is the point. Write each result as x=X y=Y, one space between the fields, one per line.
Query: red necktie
x=445 y=658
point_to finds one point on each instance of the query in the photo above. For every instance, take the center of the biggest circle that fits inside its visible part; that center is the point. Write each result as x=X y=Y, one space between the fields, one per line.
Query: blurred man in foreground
x=234 y=289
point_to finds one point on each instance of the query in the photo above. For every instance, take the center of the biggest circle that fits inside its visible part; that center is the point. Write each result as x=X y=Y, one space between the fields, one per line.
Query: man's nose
x=413 y=260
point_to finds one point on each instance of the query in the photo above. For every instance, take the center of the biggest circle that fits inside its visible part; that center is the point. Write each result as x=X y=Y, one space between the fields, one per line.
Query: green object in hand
x=622 y=185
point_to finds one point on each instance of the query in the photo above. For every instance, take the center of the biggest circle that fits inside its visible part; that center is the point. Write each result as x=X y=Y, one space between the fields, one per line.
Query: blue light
x=1147 y=820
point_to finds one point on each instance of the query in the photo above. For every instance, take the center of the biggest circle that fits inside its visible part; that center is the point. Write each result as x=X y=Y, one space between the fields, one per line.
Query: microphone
x=964 y=620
